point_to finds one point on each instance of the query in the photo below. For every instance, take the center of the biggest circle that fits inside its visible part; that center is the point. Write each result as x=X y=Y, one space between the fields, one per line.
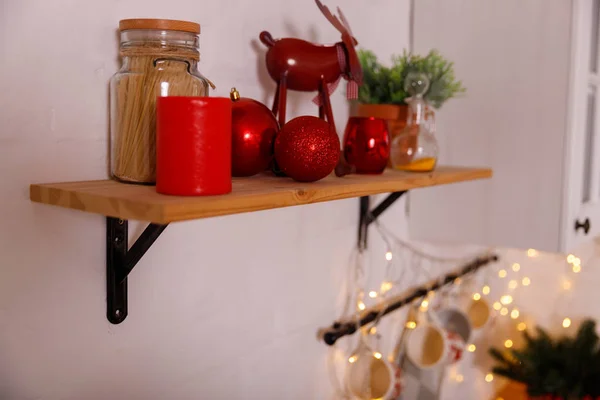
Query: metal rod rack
x=340 y=329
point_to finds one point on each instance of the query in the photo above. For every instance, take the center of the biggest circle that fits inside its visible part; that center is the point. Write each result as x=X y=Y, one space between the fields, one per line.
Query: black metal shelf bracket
x=366 y=217
x=120 y=261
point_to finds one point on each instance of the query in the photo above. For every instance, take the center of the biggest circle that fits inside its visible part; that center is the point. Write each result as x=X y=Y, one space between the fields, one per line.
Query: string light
x=521 y=326
x=377 y=355
x=502 y=273
x=459 y=378
x=532 y=253
x=472 y=348
x=526 y=281
x=516 y=267
x=424 y=304
x=566 y=322
x=577 y=261
x=489 y=378
x=352 y=359
x=476 y=297
x=372 y=294
x=567 y=285
x=506 y=299
x=570 y=258
x=411 y=324
x=361 y=306
x=504 y=311
x=386 y=287
x=513 y=284
x=497 y=306
x=508 y=343
x=458 y=281
x=373 y=330
x=485 y=289
x=576 y=268
x=514 y=314
x=388 y=256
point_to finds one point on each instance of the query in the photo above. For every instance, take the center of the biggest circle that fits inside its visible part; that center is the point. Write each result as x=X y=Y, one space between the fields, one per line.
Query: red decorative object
x=300 y=65
x=367 y=144
x=253 y=132
x=307 y=149
x=193 y=145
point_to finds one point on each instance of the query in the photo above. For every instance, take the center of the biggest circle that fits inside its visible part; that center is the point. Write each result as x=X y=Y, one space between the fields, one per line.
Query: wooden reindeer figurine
x=300 y=65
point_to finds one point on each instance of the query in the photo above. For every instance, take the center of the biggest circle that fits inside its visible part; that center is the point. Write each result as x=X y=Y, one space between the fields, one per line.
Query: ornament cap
x=234 y=94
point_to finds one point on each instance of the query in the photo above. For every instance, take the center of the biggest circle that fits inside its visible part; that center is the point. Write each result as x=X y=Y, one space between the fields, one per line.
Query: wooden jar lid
x=159 y=24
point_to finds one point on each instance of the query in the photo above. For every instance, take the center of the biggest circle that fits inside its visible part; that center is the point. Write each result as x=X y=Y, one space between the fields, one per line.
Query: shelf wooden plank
x=261 y=192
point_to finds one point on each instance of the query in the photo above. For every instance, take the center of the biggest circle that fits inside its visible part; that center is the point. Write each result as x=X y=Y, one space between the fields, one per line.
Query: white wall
x=513 y=56
x=225 y=308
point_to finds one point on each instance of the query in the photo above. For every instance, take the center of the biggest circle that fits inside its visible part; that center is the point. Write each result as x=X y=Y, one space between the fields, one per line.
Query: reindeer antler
x=344 y=21
x=332 y=18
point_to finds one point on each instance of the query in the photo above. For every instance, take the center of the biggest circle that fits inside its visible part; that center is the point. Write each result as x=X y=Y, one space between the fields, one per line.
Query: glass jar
x=159 y=58
x=415 y=148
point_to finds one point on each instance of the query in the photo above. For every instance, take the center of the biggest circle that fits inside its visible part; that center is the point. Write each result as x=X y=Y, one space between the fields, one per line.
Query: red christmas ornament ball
x=307 y=149
x=253 y=132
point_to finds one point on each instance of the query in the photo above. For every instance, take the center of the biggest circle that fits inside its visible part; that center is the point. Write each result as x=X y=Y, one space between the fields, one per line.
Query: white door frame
x=581 y=79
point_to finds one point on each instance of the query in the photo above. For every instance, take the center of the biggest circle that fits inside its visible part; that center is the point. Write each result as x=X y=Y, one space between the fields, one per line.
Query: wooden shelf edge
x=134 y=202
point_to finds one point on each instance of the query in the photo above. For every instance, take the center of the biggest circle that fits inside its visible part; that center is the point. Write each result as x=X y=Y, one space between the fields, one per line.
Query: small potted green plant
x=383 y=95
x=555 y=368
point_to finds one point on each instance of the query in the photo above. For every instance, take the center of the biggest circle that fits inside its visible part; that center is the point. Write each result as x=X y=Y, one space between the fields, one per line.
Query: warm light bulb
x=372 y=294
x=521 y=326
x=504 y=311
x=508 y=343
x=513 y=284
x=576 y=268
x=489 y=378
x=361 y=305
x=352 y=359
x=577 y=261
x=476 y=296
x=377 y=355
x=570 y=258
x=526 y=281
x=502 y=273
x=424 y=304
x=514 y=314
x=411 y=324
x=566 y=322
x=459 y=378
x=532 y=253
x=388 y=256
x=485 y=289
x=386 y=286
x=516 y=267
x=472 y=348
x=497 y=306
x=567 y=285
x=373 y=330
x=506 y=299
x=457 y=281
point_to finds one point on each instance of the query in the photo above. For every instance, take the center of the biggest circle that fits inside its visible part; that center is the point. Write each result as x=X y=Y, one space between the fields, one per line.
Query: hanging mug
x=370 y=376
x=431 y=344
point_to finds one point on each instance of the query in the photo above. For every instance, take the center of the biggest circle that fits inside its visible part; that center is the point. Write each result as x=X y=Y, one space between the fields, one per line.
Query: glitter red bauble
x=307 y=149
x=253 y=131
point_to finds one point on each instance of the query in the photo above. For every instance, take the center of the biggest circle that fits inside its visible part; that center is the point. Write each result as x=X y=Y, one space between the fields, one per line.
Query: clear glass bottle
x=159 y=58
x=416 y=148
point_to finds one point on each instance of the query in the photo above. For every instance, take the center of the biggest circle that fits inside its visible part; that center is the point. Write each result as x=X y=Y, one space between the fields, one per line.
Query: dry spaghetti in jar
x=159 y=58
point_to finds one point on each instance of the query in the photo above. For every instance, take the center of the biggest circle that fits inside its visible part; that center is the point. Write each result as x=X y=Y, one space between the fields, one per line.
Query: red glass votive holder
x=367 y=144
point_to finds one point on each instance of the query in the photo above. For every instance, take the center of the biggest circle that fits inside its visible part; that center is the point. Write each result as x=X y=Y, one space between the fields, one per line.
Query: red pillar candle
x=193 y=146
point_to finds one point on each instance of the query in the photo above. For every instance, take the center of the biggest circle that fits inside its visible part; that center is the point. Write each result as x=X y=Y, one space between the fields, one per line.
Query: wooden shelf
x=142 y=203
